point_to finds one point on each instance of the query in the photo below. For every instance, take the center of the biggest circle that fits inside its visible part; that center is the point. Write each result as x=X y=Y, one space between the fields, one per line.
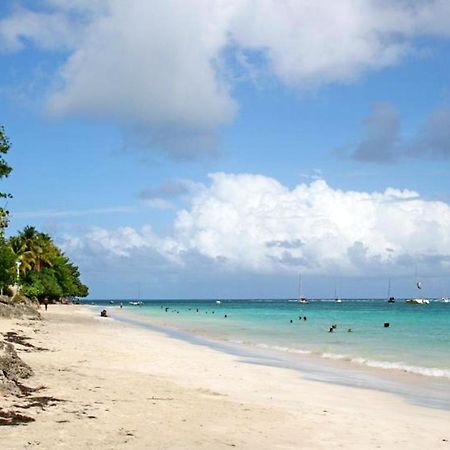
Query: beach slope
x=113 y=385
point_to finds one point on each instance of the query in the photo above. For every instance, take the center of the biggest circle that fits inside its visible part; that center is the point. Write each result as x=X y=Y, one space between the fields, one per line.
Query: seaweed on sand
x=13 y=418
x=13 y=337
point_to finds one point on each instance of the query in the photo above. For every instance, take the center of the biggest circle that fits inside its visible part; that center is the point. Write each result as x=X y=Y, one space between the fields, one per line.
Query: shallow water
x=417 y=340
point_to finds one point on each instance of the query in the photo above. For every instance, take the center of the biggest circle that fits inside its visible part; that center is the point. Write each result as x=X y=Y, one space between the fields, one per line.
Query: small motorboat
x=136 y=303
x=417 y=301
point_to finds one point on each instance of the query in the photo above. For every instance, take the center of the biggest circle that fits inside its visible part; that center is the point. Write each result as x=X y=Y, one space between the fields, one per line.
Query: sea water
x=417 y=339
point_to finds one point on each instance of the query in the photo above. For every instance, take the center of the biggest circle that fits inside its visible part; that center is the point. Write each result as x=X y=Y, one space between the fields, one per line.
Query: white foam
x=427 y=371
x=284 y=349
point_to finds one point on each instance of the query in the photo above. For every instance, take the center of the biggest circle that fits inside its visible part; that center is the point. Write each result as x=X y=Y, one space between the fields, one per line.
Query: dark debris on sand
x=13 y=418
x=13 y=370
x=15 y=338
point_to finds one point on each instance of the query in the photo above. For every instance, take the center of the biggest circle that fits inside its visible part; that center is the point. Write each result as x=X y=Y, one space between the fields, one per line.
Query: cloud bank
x=245 y=223
x=383 y=143
x=165 y=69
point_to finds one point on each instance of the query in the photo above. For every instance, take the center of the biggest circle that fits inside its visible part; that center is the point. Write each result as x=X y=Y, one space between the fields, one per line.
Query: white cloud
x=252 y=223
x=159 y=65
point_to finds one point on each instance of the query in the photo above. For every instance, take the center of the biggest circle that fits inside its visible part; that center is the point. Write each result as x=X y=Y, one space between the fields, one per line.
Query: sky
x=217 y=149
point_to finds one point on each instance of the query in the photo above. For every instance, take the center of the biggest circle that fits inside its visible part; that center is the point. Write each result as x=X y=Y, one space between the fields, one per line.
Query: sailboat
x=137 y=302
x=301 y=297
x=418 y=300
x=336 y=296
x=390 y=299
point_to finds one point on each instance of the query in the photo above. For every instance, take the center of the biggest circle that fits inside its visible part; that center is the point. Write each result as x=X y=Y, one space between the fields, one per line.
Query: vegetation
x=31 y=259
x=44 y=271
x=5 y=170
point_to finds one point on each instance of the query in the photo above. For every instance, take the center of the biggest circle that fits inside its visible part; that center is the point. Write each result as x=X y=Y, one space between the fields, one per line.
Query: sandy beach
x=114 y=385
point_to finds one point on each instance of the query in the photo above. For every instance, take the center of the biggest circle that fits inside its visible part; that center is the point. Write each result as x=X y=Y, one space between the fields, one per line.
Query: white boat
x=336 y=295
x=137 y=303
x=301 y=297
x=445 y=300
x=218 y=302
x=418 y=301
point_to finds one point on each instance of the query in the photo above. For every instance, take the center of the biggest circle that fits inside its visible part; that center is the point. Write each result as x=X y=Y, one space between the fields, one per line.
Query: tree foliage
x=44 y=270
x=7 y=264
x=5 y=170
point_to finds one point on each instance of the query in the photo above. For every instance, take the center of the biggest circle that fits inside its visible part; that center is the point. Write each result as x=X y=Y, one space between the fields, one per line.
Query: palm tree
x=33 y=249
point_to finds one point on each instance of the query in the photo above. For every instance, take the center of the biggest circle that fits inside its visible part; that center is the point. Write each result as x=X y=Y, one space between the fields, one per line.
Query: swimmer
x=349 y=330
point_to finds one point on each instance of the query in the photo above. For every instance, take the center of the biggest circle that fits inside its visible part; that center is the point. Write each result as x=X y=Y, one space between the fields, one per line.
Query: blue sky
x=330 y=146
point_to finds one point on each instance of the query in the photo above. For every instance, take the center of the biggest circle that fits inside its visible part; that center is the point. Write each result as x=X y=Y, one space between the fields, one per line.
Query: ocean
x=417 y=339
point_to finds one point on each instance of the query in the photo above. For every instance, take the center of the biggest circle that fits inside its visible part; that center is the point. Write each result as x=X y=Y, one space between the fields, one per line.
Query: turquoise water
x=417 y=340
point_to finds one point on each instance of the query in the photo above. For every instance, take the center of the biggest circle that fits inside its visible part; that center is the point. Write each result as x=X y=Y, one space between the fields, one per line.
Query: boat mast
x=300 y=287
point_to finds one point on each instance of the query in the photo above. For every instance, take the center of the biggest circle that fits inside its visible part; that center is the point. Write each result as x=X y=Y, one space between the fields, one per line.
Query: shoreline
x=361 y=349
x=123 y=386
x=432 y=392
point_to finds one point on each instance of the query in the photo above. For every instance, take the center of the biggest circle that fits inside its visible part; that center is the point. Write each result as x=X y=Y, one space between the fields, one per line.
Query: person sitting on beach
x=103 y=313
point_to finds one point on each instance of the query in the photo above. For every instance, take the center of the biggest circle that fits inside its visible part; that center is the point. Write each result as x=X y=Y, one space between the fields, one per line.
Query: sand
x=125 y=387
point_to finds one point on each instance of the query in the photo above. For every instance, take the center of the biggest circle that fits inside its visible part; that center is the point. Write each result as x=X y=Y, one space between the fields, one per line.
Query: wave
x=427 y=371
x=386 y=365
x=280 y=348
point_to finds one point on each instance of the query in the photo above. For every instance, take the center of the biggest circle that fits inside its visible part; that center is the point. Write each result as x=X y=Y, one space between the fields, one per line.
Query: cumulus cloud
x=254 y=224
x=162 y=67
x=382 y=141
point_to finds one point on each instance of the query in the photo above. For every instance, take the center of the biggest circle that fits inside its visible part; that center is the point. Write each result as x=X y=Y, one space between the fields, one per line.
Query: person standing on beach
x=46 y=303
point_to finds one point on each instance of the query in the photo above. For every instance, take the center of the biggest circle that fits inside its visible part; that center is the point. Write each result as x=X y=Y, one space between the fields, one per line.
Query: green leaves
x=7 y=264
x=5 y=170
x=44 y=269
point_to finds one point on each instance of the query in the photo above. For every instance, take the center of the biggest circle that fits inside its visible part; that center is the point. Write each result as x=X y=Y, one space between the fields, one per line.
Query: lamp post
x=18 y=263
